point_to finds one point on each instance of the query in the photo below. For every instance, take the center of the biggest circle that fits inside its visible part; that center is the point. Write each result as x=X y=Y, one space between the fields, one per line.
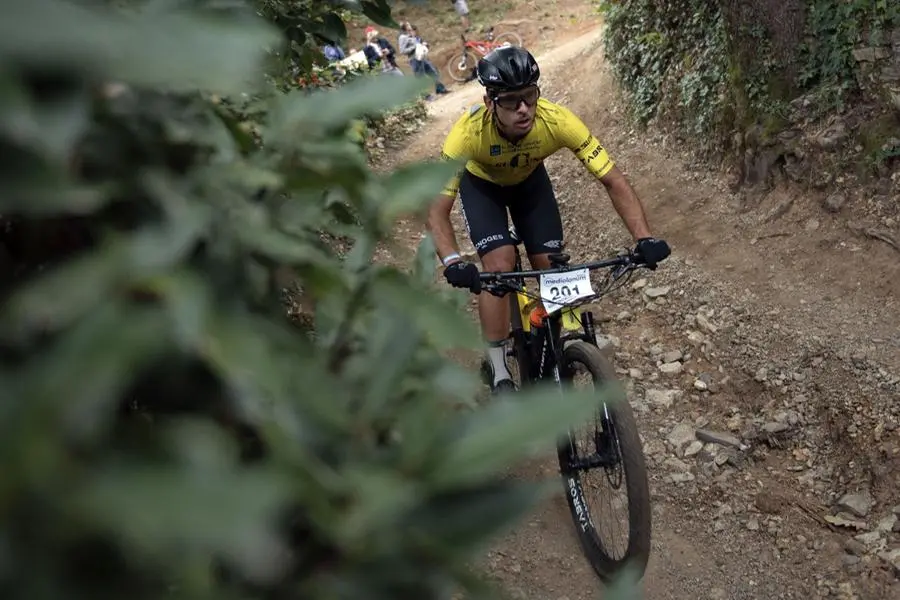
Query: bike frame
x=544 y=347
x=482 y=47
x=540 y=353
x=548 y=341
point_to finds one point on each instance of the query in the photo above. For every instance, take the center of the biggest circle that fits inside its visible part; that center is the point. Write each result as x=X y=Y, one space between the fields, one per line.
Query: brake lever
x=498 y=289
x=623 y=269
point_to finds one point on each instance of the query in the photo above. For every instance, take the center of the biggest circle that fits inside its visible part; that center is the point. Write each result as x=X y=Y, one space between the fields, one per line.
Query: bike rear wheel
x=612 y=455
x=461 y=66
x=513 y=39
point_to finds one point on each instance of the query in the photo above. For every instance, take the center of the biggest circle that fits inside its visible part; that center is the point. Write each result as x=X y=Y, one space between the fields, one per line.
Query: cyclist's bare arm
x=591 y=153
x=440 y=227
x=626 y=202
x=455 y=147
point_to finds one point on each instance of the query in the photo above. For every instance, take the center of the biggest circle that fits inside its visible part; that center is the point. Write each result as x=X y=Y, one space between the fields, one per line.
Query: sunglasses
x=529 y=96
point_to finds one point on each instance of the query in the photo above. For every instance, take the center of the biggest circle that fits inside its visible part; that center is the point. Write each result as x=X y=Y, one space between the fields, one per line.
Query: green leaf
x=266 y=365
x=62 y=295
x=49 y=126
x=282 y=247
x=380 y=496
x=470 y=517
x=353 y=5
x=158 y=511
x=171 y=50
x=380 y=12
x=189 y=302
x=49 y=195
x=82 y=377
x=305 y=55
x=424 y=263
x=246 y=176
x=392 y=347
x=412 y=188
x=511 y=428
x=326 y=109
x=72 y=289
x=242 y=139
x=332 y=28
x=625 y=584
x=456 y=382
x=442 y=325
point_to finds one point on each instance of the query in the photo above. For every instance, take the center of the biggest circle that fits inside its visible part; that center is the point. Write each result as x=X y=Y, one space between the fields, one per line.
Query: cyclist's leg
x=462 y=9
x=535 y=214
x=485 y=215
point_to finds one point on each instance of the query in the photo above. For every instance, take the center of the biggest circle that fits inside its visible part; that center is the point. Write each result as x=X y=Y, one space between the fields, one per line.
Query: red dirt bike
x=462 y=66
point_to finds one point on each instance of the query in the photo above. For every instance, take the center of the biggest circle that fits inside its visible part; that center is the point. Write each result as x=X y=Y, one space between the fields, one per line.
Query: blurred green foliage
x=713 y=68
x=165 y=430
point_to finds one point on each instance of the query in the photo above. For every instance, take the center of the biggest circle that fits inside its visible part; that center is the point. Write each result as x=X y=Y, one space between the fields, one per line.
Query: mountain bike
x=551 y=339
x=462 y=66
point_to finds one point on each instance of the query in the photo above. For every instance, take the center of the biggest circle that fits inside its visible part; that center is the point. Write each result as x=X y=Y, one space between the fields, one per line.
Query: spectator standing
x=462 y=9
x=411 y=45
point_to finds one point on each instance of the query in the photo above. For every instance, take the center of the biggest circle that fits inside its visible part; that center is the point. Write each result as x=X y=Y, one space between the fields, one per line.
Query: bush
x=713 y=68
x=165 y=430
x=671 y=58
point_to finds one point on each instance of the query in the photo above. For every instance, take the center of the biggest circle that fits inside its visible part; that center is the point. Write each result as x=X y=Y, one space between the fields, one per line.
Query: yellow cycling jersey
x=474 y=138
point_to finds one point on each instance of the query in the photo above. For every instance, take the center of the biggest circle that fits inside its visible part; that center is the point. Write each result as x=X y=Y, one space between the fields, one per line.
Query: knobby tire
x=453 y=66
x=513 y=38
x=635 y=471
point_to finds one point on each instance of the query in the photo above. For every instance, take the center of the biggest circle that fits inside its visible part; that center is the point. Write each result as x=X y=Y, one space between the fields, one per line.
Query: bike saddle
x=559 y=259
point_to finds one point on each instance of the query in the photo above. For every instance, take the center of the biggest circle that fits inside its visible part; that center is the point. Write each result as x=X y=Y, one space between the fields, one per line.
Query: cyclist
x=504 y=142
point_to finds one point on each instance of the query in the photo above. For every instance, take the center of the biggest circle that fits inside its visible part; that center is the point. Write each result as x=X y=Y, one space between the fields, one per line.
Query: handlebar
x=499 y=283
x=625 y=261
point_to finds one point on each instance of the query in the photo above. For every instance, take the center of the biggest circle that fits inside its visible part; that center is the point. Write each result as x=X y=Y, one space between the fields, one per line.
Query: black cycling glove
x=652 y=251
x=463 y=275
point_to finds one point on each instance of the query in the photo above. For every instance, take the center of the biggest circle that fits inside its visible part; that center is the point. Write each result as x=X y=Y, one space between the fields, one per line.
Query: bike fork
x=590 y=331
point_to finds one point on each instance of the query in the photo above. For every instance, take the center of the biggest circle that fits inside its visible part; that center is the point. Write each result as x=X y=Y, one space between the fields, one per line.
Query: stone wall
x=879 y=68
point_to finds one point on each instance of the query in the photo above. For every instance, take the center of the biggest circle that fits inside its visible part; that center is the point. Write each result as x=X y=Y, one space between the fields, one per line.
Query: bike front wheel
x=606 y=464
x=461 y=66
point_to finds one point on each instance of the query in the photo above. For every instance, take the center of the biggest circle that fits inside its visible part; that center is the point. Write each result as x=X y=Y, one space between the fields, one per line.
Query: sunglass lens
x=529 y=97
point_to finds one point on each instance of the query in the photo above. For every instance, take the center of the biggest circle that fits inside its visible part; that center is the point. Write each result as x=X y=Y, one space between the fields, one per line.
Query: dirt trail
x=785 y=328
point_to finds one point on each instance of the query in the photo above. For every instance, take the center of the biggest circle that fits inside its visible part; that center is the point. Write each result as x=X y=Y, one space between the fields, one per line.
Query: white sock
x=497 y=355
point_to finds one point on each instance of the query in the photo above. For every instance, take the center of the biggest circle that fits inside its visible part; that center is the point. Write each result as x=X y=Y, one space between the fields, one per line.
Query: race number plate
x=560 y=289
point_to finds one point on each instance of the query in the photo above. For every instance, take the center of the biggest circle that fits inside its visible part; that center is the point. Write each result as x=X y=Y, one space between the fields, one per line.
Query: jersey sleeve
x=456 y=147
x=575 y=136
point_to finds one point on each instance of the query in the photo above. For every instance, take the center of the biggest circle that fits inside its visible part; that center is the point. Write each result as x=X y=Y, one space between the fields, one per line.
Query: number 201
x=565 y=290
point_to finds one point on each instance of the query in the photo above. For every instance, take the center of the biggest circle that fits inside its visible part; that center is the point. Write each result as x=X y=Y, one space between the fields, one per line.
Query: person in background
x=462 y=9
x=378 y=49
x=411 y=45
x=333 y=52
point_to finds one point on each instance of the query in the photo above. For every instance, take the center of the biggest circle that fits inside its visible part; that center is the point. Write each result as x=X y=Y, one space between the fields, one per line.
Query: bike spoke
x=603 y=486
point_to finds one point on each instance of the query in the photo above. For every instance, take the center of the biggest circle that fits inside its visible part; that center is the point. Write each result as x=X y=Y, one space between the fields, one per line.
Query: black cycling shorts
x=531 y=204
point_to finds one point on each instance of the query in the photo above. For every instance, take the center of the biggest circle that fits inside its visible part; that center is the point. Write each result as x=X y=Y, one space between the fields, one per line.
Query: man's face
x=515 y=110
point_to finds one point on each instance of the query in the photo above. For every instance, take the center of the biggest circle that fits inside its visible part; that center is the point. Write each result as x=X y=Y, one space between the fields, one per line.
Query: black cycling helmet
x=508 y=68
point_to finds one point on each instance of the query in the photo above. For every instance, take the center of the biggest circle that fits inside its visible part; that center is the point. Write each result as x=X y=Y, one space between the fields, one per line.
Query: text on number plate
x=560 y=289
